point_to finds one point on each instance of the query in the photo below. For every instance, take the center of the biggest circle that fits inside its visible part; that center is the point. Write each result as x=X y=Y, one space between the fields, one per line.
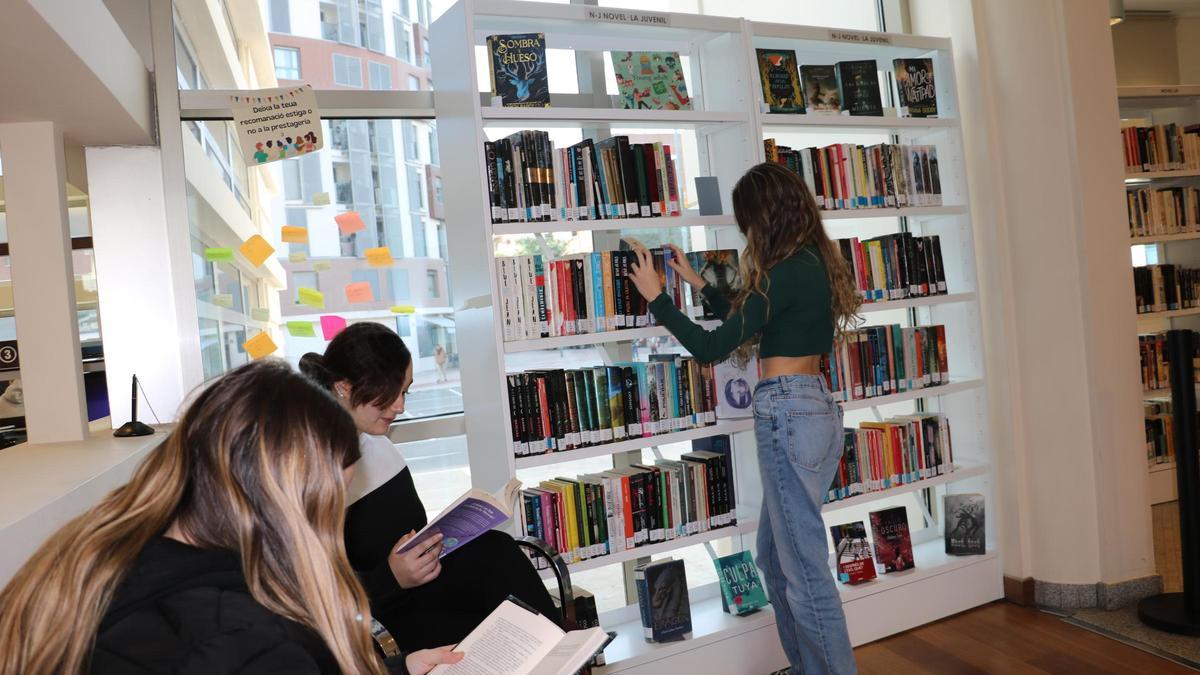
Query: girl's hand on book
x=683 y=268
x=643 y=275
x=423 y=661
x=419 y=566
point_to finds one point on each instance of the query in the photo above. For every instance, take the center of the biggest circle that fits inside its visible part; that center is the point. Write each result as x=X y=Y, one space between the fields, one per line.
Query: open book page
x=466 y=518
x=572 y=651
x=511 y=641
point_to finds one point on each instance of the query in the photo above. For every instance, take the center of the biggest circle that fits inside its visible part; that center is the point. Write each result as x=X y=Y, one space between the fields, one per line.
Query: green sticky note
x=223 y=300
x=260 y=314
x=301 y=329
x=218 y=254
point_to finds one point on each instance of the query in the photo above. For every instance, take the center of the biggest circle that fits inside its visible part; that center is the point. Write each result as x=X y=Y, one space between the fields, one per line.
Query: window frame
x=357 y=70
x=295 y=52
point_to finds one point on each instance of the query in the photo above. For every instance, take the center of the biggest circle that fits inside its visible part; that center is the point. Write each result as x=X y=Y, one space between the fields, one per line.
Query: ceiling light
x=1116 y=12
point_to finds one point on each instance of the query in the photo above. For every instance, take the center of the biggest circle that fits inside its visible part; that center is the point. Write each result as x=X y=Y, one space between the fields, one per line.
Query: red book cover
x=627 y=507
x=672 y=182
x=943 y=359
x=544 y=409
x=893 y=543
x=856 y=378
x=854 y=562
x=652 y=185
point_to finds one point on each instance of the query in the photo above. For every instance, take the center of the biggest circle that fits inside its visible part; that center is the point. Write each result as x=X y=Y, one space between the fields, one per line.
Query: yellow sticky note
x=297 y=256
x=358 y=292
x=294 y=235
x=321 y=266
x=379 y=257
x=312 y=297
x=218 y=254
x=260 y=314
x=403 y=309
x=320 y=199
x=350 y=222
x=223 y=300
x=259 y=346
x=257 y=250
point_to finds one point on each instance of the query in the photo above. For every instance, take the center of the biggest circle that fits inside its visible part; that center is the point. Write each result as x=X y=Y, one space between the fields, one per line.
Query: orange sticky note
x=294 y=235
x=350 y=222
x=259 y=346
x=257 y=250
x=379 y=257
x=359 y=292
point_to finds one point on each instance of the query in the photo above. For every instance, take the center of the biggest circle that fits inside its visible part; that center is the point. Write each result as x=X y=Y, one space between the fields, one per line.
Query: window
x=405 y=10
x=403 y=40
x=369 y=276
x=437 y=190
x=281 y=21
x=425 y=51
x=380 y=75
x=414 y=83
x=412 y=147
x=403 y=326
x=347 y=70
x=303 y=280
x=416 y=194
x=295 y=217
x=431 y=278
x=370 y=21
x=420 y=248
x=434 y=158
x=329 y=21
x=287 y=63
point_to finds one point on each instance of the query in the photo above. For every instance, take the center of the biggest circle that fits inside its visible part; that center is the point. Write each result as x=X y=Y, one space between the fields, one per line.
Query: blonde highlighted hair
x=254 y=466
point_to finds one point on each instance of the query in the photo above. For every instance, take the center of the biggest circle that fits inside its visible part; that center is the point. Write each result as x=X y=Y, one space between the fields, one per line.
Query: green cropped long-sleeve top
x=796 y=317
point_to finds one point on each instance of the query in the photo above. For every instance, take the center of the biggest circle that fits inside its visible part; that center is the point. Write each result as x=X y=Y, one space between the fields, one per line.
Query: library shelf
x=861 y=122
x=721 y=427
x=954 y=386
x=672 y=119
x=1163 y=238
x=1169 y=314
x=1163 y=485
x=1161 y=175
x=688 y=219
x=905 y=212
x=963 y=472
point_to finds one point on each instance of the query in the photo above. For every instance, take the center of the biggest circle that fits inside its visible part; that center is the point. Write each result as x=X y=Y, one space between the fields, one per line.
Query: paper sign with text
x=275 y=124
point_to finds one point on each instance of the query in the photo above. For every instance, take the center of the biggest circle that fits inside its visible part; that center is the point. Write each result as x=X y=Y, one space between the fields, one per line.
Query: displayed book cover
x=718 y=268
x=820 y=89
x=469 y=516
x=858 y=87
x=742 y=590
x=651 y=80
x=518 y=70
x=735 y=388
x=914 y=87
x=893 y=544
x=964 y=524
x=780 y=80
x=854 y=562
x=663 y=600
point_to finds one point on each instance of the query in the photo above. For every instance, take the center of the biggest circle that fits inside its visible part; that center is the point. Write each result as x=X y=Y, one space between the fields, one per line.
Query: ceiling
x=1180 y=7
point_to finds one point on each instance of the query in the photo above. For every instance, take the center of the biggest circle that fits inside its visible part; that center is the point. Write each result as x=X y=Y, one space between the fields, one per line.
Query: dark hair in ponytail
x=372 y=358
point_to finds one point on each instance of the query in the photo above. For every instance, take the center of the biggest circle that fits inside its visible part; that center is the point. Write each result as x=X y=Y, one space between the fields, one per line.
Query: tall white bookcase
x=1163 y=105
x=728 y=124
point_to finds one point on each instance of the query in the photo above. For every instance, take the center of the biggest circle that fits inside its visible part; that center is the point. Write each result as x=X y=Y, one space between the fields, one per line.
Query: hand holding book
x=679 y=262
x=419 y=565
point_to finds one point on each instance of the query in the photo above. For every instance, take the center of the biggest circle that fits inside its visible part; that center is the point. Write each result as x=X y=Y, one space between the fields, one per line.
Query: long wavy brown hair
x=778 y=215
x=254 y=466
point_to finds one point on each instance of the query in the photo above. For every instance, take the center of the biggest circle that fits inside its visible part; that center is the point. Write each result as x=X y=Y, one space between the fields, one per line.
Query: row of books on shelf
x=1160 y=432
x=896 y=266
x=611 y=511
x=557 y=410
x=530 y=180
x=849 y=176
x=1163 y=288
x=1160 y=147
x=878 y=456
x=846 y=87
x=882 y=360
x=1153 y=211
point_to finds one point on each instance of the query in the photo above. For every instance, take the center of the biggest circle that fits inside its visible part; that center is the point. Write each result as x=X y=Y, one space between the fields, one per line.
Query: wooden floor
x=1005 y=638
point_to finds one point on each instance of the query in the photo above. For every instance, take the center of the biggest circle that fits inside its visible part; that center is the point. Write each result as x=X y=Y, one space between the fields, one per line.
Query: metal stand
x=1180 y=612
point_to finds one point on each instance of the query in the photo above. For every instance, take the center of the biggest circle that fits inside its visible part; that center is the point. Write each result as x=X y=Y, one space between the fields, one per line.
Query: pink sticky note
x=359 y=292
x=332 y=325
x=350 y=222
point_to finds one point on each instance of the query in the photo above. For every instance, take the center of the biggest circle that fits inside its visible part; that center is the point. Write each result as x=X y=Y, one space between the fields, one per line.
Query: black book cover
x=629 y=176
x=489 y=155
x=578 y=286
x=964 y=517
x=627 y=290
x=939 y=269
x=640 y=169
x=821 y=94
x=858 y=87
x=587 y=423
x=631 y=396
x=572 y=404
x=619 y=309
x=510 y=183
x=519 y=69
x=780 y=80
x=914 y=87
x=667 y=593
x=653 y=498
x=518 y=435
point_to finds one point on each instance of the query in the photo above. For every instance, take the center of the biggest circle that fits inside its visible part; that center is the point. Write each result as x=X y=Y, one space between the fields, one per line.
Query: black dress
x=184 y=610
x=474 y=579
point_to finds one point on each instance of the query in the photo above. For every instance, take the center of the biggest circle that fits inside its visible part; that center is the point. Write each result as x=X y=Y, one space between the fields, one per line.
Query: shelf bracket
x=875 y=412
x=712 y=552
x=657 y=453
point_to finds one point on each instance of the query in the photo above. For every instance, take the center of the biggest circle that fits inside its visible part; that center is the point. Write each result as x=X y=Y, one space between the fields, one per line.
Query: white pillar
x=39 y=238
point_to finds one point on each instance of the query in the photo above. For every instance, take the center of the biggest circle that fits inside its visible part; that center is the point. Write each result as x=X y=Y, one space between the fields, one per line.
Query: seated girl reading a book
x=221 y=555
x=423 y=601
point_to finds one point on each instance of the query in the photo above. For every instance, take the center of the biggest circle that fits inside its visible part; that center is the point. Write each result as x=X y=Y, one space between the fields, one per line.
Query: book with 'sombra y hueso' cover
x=893 y=543
x=780 y=80
x=964 y=524
x=914 y=86
x=858 y=88
x=741 y=588
x=514 y=640
x=518 y=71
x=663 y=600
x=651 y=80
x=467 y=517
x=820 y=89
x=854 y=562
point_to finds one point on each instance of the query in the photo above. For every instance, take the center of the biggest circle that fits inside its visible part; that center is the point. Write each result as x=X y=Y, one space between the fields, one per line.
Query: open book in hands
x=466 y=518
x=516 y=641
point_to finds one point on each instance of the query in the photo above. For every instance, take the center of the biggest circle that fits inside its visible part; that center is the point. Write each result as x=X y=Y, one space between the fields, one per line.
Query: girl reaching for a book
x=797 y=293
x=422 y=600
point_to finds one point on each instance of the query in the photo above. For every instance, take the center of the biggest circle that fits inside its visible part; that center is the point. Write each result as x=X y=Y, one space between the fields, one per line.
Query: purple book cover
x=460 y=524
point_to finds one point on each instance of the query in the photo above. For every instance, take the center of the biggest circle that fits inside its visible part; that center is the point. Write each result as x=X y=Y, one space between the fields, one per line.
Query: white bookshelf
x=728 y=126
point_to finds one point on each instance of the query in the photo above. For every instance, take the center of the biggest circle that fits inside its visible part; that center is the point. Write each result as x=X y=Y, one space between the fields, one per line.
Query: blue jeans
x=798 y=427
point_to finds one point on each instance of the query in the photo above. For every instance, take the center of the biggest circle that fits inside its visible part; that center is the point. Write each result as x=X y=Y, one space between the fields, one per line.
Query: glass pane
x=858 y=14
